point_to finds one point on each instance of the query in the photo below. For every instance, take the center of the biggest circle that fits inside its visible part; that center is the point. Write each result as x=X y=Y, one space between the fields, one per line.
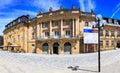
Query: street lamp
x=99 y=18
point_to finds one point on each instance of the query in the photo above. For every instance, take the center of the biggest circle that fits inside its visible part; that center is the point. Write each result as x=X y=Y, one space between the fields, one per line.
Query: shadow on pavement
x=77 y=68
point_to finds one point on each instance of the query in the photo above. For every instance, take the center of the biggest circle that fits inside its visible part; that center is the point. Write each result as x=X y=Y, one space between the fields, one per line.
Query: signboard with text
x=90 y=37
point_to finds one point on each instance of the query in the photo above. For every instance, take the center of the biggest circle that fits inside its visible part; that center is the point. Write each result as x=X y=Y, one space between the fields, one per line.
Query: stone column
x=77 y=27
x=50 y=28
x=61 y=27
x=73 y=28
x=49 y=47
x=40 y=30
x=38 y=33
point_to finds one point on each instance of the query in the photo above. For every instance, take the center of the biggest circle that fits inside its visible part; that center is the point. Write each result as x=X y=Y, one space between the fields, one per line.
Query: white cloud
x=87 y=5
x=47 y=4
x=82 y=5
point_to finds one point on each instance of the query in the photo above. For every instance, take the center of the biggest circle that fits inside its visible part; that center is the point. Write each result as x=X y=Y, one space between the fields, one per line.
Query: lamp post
x=99 y=18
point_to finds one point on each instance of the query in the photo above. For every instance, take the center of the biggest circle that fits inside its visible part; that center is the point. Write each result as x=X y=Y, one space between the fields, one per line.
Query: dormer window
x=115 y=21
x=14 y=23
x=19 y=20
x=110 y=21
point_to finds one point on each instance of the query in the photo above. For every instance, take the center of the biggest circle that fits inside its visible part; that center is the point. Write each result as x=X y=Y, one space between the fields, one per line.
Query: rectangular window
x=110 y=21
x=107 y=43
x=101 y=32
x=112 y=43
x=68 y=33
x=57 y=34
x=45 y=25
x=118 y=33
x=18 y=37
x=107 y=33
x=33 y=28
x=112 y=33
x=33 y=35
x=86 y=24
x=46 y=34
x=56 y=23
x=115 y=21
x=101 y=43
x=19 y=20
x=68 y=22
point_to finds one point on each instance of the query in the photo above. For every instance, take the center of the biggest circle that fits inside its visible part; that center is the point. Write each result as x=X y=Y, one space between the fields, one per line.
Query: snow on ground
x=38 y=63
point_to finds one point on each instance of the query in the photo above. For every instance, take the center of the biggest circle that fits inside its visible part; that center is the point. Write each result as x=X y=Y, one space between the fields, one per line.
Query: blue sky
x=11 y=9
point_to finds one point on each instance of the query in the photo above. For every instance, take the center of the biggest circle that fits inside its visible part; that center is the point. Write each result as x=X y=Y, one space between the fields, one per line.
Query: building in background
x=15 y=34
x=110 y=34
x=56 y=32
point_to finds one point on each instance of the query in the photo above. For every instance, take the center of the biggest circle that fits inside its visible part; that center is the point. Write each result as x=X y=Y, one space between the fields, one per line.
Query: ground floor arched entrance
x=118 y=44
x=45 y=48
x=56 y=48
x=67 y=48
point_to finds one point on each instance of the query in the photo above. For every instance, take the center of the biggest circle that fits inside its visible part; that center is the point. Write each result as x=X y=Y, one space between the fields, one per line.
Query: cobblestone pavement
x=38 y=63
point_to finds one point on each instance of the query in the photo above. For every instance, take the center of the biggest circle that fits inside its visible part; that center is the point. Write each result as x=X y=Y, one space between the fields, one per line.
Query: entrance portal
x=67 y=48
x=55 y=48
x=45 y=48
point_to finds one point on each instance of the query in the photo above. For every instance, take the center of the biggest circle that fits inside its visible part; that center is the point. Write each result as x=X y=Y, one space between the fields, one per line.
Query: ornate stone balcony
x=57 y=37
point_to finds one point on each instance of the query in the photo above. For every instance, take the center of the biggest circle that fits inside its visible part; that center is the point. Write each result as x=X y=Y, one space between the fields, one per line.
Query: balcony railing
x=55 y=37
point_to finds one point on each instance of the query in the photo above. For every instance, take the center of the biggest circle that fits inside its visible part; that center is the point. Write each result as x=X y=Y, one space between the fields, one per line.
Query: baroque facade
x=56 y=32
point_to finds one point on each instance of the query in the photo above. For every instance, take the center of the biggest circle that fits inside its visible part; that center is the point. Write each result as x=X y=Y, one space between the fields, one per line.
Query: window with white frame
x=33 y=35
x=56 y=23
x=112 y=43
x=110 y=21
x=107 y=43
x=56 y=33
x=33 y=28
x=118 y=33
x=101 y=32
x=46 y=34
x=46 y=25
x=101 y=43
x=112 y=33
x=107 y=33
x=115 y=21
x=68 y=33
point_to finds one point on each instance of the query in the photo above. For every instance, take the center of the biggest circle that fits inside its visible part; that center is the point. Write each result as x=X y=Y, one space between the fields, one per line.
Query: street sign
x=90 y=37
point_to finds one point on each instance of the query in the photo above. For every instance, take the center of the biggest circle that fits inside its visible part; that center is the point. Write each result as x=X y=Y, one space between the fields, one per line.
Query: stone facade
x=53 y=32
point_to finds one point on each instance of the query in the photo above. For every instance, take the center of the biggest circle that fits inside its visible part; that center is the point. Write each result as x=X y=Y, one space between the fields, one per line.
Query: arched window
x=67 y=48
x=45 y=48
